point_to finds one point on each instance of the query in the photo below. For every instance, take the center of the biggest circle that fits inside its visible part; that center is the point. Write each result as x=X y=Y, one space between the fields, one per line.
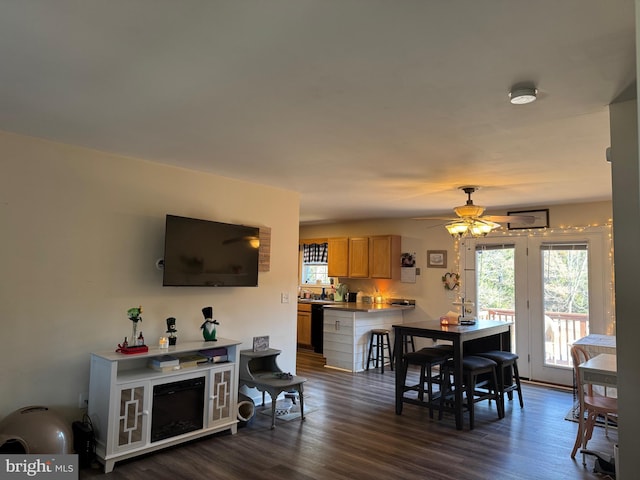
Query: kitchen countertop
x=366 y=307
x=317 y=302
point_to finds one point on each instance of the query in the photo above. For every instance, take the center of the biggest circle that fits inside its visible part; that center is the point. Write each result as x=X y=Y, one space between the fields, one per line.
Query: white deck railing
x=560 y=330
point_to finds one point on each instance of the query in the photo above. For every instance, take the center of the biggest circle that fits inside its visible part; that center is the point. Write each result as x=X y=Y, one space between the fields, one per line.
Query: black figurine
x=171 y=330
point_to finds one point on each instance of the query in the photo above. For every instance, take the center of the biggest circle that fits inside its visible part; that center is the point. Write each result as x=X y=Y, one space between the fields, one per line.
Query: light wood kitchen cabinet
x=376 y=256
x=304 y=325
x=359 y=257
x=385 y=256
x=338 y=257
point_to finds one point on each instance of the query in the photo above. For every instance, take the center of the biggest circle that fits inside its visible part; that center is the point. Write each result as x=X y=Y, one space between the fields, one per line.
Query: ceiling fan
x=470 y=220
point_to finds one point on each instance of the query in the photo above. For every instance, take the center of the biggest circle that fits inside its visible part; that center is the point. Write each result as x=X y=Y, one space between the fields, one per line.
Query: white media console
x=124 y=395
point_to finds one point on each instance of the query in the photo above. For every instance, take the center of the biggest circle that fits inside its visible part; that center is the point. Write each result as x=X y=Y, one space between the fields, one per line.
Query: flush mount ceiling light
x=523 y=95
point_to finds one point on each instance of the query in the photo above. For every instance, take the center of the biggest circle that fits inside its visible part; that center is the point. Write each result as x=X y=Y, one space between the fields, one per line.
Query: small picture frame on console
x=260 y=344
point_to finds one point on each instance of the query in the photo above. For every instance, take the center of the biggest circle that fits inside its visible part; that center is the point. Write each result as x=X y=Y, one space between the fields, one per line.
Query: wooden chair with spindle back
x=591 y=403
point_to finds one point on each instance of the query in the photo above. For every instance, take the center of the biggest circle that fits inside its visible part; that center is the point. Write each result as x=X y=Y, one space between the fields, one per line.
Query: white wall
x=80 y=232
x=626 y=203
x=432 y=300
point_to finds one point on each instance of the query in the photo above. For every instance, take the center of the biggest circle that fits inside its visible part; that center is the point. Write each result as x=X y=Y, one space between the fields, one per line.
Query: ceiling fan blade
x=470 y=213
x=436 y=225
x=509 y=218
x=449 y=219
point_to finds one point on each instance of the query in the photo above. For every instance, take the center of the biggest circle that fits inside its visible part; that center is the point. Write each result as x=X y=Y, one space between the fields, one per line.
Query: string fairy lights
x=606 y=227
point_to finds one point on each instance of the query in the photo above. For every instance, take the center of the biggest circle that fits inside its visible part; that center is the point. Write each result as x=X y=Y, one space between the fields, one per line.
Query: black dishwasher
x=317 y=320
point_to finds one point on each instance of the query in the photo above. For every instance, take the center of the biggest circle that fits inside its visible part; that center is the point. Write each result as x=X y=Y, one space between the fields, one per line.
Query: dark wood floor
x=352 y=432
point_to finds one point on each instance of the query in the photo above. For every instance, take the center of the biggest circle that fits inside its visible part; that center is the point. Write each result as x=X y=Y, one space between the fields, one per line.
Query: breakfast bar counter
x=366 y=307
x=347 y=329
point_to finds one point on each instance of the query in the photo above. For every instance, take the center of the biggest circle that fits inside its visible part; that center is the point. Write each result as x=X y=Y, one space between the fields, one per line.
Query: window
x=315 y=273
x=565 y=270
x=315 y=270
x=495 y=279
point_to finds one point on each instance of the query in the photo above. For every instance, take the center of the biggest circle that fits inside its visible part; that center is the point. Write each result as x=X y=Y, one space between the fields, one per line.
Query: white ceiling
x=368 y=108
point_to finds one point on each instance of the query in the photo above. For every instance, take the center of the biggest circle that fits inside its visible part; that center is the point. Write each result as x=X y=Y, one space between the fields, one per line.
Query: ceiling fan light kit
x=470 y=227
x=523 y=95
x=471 y=223
x=456 y=228
x=469 y=210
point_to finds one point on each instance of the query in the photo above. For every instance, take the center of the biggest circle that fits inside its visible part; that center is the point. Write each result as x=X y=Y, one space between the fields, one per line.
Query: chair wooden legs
x=585 y=431
x=579 y=435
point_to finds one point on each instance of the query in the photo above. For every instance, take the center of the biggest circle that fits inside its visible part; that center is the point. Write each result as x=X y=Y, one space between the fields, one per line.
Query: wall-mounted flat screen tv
x=204 y=253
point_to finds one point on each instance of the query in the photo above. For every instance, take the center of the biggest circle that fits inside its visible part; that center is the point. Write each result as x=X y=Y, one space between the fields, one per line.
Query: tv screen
x=203 y=253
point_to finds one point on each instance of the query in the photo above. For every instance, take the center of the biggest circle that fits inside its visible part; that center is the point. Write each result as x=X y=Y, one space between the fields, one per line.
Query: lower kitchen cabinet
x=304 y=325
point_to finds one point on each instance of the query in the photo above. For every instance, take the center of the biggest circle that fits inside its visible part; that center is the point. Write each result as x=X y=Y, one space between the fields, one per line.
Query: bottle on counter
x=323 y=295
x=140 y=340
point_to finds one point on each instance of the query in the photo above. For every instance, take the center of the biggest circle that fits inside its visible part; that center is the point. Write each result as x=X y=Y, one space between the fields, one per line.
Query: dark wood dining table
x=466 y=339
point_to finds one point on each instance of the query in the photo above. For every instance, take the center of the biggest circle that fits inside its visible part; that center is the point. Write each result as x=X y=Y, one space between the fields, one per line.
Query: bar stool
x=506 y=360
x=381 y=338
x=426 y=358
x=408 y=343
x=472 y=367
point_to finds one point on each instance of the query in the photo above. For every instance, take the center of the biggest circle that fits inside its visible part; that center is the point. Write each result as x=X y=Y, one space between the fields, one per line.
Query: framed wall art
x=540 y=219
x=437 y=258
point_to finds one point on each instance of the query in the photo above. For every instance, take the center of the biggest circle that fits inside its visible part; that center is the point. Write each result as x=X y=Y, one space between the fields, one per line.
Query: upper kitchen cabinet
x=385 y=256
x=359 y=257
x=377 y=256
x=338 y=257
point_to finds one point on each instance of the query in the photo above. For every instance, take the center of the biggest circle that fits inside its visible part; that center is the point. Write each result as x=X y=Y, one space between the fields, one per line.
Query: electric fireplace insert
x=178 y=408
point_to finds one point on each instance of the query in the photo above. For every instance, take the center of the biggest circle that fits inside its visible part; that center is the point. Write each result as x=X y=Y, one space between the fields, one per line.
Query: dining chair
x=591 y=403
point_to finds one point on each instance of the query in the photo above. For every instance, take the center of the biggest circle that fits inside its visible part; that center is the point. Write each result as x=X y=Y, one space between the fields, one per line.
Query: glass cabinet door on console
x=220 y=395
x=132 y=417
